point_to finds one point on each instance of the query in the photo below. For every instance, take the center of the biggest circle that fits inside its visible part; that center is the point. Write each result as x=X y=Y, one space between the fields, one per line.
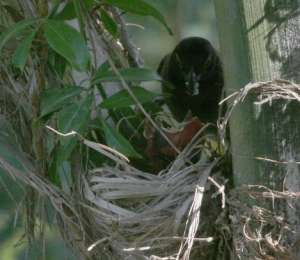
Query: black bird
x=194 y=68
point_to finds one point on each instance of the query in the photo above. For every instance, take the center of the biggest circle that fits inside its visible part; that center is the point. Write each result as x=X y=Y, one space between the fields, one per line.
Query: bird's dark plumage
x=194 y=69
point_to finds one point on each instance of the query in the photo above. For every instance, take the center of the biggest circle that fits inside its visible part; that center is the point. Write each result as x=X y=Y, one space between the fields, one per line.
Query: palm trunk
x=260 y=42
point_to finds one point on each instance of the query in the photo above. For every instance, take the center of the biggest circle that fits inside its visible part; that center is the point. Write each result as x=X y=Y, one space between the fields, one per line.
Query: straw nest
x=136 y=215
x=179 y=214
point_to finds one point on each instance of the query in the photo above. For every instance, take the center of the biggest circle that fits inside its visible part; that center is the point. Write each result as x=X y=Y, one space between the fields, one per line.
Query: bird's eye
x=179 y=63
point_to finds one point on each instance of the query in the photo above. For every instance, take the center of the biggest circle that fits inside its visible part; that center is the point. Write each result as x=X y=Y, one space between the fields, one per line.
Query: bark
x=259 y=42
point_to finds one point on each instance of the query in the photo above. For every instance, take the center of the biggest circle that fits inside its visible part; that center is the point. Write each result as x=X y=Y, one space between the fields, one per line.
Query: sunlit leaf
x=123 y=98
x=68 y=42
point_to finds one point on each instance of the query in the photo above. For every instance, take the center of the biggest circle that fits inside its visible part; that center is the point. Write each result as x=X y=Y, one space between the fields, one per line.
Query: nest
x=177 y=215
x=121 y=212
x=171 y=215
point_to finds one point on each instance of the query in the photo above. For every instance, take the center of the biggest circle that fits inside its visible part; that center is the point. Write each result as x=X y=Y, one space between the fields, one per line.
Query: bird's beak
x=192 y=83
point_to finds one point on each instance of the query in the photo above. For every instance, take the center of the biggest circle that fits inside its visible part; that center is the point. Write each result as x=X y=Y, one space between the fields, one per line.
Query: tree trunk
x=259 y=42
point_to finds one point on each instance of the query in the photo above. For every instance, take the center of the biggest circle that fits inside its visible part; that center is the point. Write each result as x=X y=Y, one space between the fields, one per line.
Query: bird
x=194 y=69
x=195 y=72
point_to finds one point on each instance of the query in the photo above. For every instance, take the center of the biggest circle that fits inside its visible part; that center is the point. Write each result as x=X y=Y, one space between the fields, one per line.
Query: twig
x=88 y=142
x=221 y=190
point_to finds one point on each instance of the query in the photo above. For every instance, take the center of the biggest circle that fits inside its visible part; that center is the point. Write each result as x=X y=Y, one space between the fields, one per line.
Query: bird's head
x=195 y=58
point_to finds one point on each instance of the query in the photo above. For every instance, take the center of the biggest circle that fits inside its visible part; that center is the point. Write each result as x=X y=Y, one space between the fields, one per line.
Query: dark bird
x=194 y=68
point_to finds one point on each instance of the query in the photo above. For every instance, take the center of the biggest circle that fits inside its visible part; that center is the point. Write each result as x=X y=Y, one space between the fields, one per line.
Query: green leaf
x=59 y=65
x=123 y=98
x=72 y=118
x=79 y=16
x=16 y=30
x=141 y=8
x=128 y=74
x=64 y=151
x=89 y=4
x=151 y=108
x=118 y=142
x=20 y=55
x=54 y=174
x=69 y=13
x=11 y=155
x=105 y=66
x=109 y=23
x=68 y=42
x=55 y=98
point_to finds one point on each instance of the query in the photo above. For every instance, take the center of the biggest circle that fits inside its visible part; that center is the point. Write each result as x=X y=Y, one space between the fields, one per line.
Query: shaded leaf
x=151 y=108
x=54 y=175
x=12 y=156
x=105 y=66
x=89 y=4
x=141 y=8
x=128 y=74
x=69 y=13
x=16 y=30
x=65 y=150
x=55 y=98
x=72 y=118
x=123 y=98
x=57 y=64
x=20 y=55
x=116 y=141
x=68 y=42
x=15 y=14
x=109 y=23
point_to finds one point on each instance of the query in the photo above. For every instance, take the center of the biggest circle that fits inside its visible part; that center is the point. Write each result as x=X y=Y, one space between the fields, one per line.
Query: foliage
x=52 y=74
